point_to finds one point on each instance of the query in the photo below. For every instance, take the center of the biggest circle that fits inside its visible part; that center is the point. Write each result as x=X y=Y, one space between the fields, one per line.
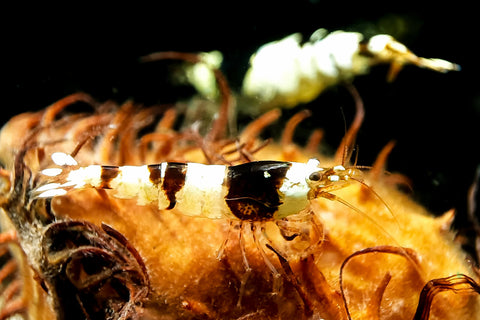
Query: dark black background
x=50 y=52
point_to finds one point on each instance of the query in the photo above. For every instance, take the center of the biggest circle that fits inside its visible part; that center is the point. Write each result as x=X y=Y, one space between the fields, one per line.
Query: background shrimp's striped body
x=288 y=72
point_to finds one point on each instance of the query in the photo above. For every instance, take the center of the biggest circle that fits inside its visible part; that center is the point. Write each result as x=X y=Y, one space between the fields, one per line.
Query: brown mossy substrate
x=370 y=251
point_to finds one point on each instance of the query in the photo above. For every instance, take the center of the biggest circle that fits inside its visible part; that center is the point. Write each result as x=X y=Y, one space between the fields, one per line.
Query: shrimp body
x=253 y=191
x=287 y=72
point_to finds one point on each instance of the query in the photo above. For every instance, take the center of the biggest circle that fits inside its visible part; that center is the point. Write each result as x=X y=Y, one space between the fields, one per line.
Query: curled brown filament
x=458 y=283
x=53 y=110
x=218 y=128
x=405 y=252
x=93 y=270
x=288 y=147
x=290 y=277
x=12 y=298
x=253 y=130
x=345 y=150
x=292 y=124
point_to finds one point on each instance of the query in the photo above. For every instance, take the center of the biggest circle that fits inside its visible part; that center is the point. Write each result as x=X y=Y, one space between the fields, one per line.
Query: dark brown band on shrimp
x=107 y=175
x=253 y=189
x=155 y=173
x=173 y=181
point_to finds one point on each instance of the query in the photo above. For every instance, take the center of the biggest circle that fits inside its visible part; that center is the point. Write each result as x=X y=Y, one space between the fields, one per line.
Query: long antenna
x=379 y=198
x=333 y=197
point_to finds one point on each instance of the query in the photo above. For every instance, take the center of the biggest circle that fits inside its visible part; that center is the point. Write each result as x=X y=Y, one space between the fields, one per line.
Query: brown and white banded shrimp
x=249 y=195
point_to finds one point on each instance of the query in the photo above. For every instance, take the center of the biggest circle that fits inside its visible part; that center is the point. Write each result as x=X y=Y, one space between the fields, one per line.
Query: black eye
x=315 y=176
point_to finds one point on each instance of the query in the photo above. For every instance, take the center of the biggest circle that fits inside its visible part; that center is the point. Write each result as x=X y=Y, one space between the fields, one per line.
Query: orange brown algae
x=89 y=255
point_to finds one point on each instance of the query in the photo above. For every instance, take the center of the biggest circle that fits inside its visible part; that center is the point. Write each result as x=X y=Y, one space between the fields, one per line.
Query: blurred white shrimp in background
x=285 y=73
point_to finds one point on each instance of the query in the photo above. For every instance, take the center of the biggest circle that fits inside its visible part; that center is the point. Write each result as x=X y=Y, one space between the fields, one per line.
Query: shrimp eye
x=315 y=176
